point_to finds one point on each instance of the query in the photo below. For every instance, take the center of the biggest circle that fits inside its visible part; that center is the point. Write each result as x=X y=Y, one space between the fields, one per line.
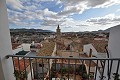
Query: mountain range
x=41 y=30
x=29 y=30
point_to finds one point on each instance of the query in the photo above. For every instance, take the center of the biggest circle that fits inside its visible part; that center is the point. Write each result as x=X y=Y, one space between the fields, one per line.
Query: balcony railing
x=59 y=68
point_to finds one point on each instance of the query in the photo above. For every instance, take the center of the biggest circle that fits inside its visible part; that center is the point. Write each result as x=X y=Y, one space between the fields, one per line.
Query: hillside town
x=59 y=40
x=58 y=44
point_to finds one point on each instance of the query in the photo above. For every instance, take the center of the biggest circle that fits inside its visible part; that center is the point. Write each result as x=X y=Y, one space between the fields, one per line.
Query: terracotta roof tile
x=15 y=45
x=21 y=64
x=100 y=45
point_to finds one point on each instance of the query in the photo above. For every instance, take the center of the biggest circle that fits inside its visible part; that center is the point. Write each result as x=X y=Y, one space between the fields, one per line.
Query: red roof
x=15 y=45
x=21 y=64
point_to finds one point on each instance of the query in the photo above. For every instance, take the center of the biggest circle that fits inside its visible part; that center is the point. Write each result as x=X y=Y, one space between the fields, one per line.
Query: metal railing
x=59 y=68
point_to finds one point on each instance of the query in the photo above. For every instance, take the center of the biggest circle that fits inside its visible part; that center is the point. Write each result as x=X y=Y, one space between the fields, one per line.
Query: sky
x=71 y=15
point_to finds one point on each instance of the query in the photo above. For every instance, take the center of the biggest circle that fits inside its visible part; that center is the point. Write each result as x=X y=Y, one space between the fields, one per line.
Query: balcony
x=59 y=68
x=51 y=68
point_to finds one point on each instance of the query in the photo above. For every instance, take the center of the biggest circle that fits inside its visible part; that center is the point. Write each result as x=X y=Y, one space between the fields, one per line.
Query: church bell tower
x=58 y=32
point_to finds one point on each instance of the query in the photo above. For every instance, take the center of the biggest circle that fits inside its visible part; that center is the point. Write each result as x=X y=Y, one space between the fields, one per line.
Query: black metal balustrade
x=59 y=68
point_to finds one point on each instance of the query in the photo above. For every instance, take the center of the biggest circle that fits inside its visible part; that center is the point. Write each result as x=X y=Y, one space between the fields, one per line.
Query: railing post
x=6 y=65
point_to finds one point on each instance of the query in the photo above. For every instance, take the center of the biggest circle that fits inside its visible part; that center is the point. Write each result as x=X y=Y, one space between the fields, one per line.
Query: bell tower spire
x=58 y=27
x=58 y=31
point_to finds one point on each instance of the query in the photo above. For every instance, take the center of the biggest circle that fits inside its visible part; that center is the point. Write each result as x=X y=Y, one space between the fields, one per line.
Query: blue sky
x=71 y=15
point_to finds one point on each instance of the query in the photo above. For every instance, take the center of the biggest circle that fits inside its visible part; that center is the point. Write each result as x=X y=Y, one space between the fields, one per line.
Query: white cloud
x=108 y=19
x=58 y=2
x=98 y=23
x=32 y=7
x=52 y=19
x=48 y=13
x=15 y=4
x=118 y=10
x=78 y=6
x=94 y=3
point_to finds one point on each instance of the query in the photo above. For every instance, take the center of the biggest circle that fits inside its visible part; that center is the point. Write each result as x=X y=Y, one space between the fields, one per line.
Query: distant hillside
x=29 y=30
x=106 y=31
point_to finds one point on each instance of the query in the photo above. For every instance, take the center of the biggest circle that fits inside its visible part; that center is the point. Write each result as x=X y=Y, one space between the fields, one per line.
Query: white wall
x=97 y=75
x=6 y=66
x=99 y=38
x=29 y=76
x=26 y=47
x=86 y=49
x=101 y=55
x=17 y=50
x=114 y=46
x=114 y=42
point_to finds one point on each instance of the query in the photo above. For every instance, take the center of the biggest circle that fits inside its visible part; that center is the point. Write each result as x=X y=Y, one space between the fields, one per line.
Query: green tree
x=63 y=70
x=116 y=76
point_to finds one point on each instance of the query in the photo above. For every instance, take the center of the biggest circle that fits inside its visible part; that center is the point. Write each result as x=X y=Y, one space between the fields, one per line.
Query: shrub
x=63 y=70
x=20 y=74
x=116 y=76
